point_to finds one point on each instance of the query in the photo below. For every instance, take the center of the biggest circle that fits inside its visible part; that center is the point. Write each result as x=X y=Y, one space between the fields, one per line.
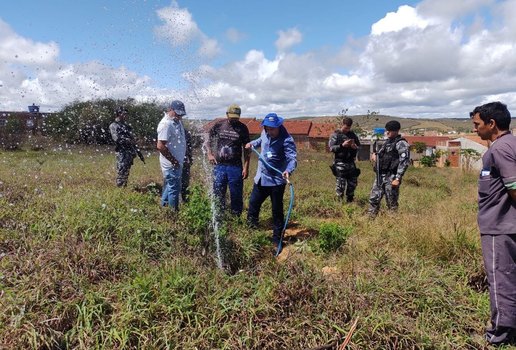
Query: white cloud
x=450 y=10
x=180 y=29
x=426 y=60
x=405 y=17
x=288 y=38
x=17 y=49
x=234 y=35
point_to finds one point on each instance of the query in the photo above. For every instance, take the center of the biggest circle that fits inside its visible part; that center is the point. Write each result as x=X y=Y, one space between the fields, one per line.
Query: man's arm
x=404 y=157
x=505 y=161
x=163 y=149
x=333 y=144
x=247 y=154
x=512 y=193
x=209 y=145
x=291 y=155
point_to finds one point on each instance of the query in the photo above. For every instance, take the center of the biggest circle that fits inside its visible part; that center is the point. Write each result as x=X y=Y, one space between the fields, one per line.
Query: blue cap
x=178 y=107
x=272 y=120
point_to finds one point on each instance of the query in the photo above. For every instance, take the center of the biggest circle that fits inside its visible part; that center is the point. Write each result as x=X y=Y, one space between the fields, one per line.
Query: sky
x=419 y=59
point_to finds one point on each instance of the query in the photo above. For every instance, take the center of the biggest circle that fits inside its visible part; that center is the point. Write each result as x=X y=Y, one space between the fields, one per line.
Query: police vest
x=345 y=154
x=124 y=132
x=389 y=157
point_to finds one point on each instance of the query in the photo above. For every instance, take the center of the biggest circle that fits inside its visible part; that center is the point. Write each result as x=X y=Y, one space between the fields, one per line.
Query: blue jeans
x=171 y=187
x=258 y=196
x=224 y=175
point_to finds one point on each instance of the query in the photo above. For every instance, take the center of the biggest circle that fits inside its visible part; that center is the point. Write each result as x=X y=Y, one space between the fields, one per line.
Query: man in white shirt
x=172 y=148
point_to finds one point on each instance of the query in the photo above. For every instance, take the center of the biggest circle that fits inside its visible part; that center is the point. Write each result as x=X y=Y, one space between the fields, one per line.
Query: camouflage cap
x=233 y=111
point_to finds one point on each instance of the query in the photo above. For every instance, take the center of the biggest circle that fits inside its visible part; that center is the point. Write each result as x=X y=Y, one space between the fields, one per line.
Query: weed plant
x=86 y=265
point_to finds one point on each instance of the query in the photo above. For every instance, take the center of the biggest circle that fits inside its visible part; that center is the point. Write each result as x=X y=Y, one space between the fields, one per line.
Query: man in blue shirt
x=279 y=151
x=172 y=148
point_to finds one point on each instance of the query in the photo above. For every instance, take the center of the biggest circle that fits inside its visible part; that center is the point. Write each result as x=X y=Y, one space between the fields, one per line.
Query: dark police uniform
x=344 y=167
x=394 y=158
x=125 y=150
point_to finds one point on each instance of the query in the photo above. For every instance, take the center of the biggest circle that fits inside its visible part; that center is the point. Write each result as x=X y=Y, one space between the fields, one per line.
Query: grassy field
x=85 y=265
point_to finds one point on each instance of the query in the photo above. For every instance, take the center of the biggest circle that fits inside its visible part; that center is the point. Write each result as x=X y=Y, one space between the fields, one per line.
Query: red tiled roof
x=430 y=141
x=322 y=130
x=294 y=127
x=298 y=127
x=254 y=127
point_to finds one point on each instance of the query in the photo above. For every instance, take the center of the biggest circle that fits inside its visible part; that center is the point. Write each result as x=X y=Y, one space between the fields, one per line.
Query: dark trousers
x=499 y=252
x=185 y=182
x=124 y=161
x=258 y=196
x=379 y=190
x=346 y=185
x=225 y=176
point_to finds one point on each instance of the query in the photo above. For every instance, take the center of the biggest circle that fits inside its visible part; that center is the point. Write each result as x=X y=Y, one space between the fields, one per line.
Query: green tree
x=469 y=156
x=419 y=147
x=88 y=122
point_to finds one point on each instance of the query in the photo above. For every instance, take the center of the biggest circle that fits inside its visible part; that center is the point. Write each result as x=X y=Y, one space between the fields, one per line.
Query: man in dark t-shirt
x=497 y=218
x=226 y=145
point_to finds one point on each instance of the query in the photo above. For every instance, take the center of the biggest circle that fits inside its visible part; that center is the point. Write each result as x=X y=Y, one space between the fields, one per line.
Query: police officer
x=391 y=162
x=125 y=145
x=344 y=143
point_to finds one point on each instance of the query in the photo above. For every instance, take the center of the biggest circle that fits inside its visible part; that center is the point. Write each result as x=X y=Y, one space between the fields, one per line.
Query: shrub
x=332 y=236
x=197 y=212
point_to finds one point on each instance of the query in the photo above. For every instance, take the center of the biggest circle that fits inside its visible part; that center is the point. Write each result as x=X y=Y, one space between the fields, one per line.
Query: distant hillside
x=408 y=124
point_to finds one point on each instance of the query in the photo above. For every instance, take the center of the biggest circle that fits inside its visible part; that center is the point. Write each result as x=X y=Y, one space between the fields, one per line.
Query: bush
x=88 y=122
x=197 y=212
x=428 y=161
x=12 y=134
x=332 y=236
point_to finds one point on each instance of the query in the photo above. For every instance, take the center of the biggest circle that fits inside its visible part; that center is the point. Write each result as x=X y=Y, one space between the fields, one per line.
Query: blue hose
x=290 y=206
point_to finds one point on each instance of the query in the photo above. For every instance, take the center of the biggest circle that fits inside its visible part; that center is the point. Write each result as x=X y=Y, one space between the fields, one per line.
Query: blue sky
x=407 y=58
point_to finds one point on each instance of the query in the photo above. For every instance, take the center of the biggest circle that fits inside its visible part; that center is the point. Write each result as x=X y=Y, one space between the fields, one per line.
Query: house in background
x=454 y=154
x=299 y=129
x=31 y=121
x=320 y=134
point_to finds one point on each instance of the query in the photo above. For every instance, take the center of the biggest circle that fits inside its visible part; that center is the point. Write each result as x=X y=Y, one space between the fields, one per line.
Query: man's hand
x=512 y=193
x=286 y=175
x=248 y=145
x=212 y=159
x=373 y=157
x=348 y=143
x=245 y=173
x=395 y=183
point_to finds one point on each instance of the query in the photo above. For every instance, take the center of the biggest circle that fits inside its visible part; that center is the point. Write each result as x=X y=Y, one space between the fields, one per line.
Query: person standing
x=226 y=141
x=344 y=143
x=393 y=160
x=125 y=145
x=279 y=151
x=172 y=148
x=497 y=217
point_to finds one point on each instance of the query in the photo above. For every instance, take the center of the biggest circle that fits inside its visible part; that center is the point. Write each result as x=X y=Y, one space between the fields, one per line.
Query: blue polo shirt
x=280 y=153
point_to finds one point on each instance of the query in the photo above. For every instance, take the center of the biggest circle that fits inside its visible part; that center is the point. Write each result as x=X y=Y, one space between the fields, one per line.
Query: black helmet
x=121 y=110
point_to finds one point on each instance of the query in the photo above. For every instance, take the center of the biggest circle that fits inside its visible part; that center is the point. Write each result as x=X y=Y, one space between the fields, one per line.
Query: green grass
x=85 y=265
